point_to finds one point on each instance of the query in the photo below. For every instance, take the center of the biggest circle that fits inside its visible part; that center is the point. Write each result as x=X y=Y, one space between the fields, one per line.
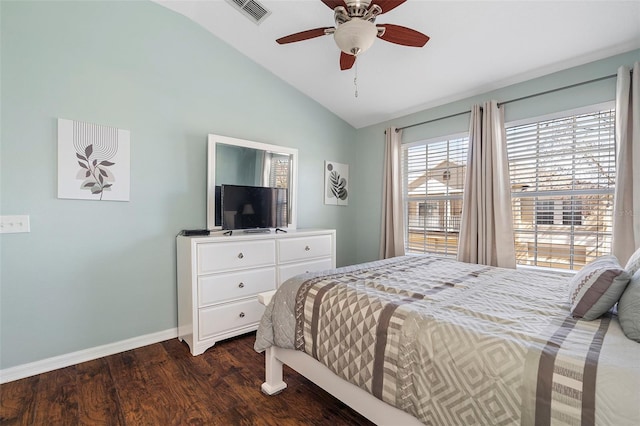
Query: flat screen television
x=253 y=207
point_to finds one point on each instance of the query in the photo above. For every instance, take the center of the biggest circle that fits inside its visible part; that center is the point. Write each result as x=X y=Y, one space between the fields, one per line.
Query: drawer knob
x=241 y=285
x=241 y=314
x=240 y=255
x=307 y=248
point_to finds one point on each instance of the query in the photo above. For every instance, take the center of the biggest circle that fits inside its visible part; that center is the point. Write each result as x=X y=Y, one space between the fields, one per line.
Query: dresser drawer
x=293 y=249
x=294 y=269
x=219 y=319
x=235 y=285
x=216 y=257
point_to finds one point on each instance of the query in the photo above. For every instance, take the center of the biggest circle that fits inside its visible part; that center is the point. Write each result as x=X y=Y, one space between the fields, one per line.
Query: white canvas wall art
x=93 y=161
x=336 y=183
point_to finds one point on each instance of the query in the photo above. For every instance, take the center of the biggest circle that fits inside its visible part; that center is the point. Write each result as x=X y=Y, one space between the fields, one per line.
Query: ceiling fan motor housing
x=357 y=7
x=355 y=36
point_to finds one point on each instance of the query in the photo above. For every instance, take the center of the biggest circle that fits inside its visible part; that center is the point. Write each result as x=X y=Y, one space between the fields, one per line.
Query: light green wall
x=366 y=180
x=91 y=273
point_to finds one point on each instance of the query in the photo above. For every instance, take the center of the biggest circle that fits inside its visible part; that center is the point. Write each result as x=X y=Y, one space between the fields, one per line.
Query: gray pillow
x=596 y=288
x=629 y=309
x=633 y=264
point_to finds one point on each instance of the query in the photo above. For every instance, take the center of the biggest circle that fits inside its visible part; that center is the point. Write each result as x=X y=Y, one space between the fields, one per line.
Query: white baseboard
x=61 y=361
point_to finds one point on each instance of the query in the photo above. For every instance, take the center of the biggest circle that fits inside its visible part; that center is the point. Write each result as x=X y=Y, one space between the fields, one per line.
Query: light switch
x=14 y=224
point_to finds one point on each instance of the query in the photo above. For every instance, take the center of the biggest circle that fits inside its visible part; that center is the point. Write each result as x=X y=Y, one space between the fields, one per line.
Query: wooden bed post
x=273 y=372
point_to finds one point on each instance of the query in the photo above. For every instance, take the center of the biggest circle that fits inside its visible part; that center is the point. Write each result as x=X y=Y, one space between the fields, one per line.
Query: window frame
x=449 y=200
x=562 y=217
x=559 y=214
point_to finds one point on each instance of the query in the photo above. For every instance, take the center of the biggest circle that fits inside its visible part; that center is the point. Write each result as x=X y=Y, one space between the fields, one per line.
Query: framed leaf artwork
x=93 y=161
x=336 y=183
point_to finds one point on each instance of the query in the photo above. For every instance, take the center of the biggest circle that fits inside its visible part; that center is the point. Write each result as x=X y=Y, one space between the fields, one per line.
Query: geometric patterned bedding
x=456 y=343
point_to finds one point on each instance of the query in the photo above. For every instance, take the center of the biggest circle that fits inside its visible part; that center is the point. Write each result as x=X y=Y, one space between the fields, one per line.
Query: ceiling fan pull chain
x=355 y=80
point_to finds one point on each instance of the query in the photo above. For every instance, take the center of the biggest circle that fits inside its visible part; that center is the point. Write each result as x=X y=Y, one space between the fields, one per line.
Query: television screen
x=249 y=207
x=218 y=204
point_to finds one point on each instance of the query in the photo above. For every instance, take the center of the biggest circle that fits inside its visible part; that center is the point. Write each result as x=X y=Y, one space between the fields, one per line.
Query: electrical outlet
x=14 y=224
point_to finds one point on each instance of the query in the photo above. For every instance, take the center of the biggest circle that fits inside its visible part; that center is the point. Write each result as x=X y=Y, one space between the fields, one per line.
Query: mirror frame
x=214 y=140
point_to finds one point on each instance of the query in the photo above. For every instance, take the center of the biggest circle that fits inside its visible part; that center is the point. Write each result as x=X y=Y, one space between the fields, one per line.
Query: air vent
x=251 y=9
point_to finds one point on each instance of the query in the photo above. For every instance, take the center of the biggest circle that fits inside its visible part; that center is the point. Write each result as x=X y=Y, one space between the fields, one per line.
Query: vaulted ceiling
x=475 y=47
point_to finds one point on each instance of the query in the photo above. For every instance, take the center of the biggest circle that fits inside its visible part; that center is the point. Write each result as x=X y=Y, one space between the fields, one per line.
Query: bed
x=426 y=339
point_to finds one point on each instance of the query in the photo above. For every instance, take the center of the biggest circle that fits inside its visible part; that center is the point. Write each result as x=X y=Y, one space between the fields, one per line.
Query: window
x=278 y=170
x=428 y=215
x=563 y=176
x=572 y=212
x=433 y=176
x=544 y=212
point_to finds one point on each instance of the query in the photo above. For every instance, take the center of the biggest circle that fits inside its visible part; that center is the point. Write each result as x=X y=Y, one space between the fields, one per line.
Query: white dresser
x=220 y=276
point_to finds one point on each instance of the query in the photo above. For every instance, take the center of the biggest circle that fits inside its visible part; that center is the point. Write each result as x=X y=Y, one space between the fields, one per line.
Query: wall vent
x=253 y=10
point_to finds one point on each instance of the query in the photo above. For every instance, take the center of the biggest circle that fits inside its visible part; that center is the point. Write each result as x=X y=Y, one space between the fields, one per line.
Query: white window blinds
x=563 y=176
x=433 y=177
x=278 y=170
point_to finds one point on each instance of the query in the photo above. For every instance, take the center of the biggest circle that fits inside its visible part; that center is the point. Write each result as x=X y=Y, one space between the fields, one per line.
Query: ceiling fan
x=356 y=30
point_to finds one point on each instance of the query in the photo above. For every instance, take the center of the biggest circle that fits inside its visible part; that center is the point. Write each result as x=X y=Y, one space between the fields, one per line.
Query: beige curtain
x=392 y=232
x=626 y=210
x=486 y=231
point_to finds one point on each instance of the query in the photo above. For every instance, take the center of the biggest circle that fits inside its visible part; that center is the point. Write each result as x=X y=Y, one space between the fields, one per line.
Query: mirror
x=232 y=161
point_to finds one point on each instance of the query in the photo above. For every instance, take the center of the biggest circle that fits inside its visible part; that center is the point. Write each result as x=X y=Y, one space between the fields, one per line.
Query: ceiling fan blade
x=387 y=5
x=334 y=3
x=403 y=35
x=303 y=35
x=346 y=61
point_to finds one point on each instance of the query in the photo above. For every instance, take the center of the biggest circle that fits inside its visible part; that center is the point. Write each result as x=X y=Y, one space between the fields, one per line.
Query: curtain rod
x=546 y=92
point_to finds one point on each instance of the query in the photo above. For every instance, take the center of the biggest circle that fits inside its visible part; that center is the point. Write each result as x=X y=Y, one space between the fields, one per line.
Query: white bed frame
x=360 y=400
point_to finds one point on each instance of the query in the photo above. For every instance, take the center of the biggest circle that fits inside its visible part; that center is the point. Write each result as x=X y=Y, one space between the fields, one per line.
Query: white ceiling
x=475 y=47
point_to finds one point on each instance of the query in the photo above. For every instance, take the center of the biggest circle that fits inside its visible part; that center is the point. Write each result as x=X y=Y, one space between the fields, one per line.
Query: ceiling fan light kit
x=355 y=36
x=355 y=29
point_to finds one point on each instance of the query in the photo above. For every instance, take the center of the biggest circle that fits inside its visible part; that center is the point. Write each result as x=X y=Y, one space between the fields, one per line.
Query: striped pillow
x=629 y=309
x=633 y=264
x=597 y=287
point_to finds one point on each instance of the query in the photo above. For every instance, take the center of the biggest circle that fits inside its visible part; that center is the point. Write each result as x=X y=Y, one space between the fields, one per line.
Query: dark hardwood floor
x=162 y=384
